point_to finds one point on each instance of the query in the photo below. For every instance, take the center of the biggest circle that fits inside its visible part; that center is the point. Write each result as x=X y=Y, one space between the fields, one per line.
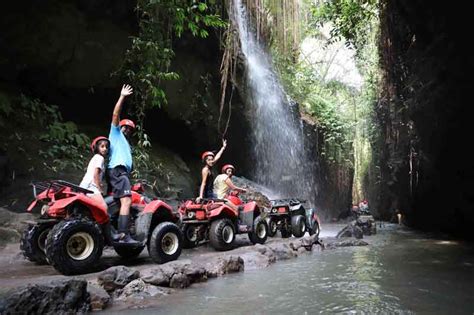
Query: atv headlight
x=191 y=215
x=44 y=209
x=274 y=210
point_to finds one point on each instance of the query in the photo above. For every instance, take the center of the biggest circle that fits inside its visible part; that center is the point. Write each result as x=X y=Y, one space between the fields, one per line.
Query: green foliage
x=148 y=60
x=351 y=19
x=65 y=145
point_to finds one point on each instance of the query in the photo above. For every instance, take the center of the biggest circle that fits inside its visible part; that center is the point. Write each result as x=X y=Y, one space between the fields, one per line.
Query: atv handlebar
x=287 y=201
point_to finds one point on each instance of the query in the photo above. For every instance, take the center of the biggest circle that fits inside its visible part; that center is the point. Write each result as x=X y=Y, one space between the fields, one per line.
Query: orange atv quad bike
x=73 y=228
x=216 y=221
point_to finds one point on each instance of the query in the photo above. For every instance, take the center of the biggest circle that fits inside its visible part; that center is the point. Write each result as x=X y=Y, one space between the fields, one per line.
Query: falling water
x=281 y=161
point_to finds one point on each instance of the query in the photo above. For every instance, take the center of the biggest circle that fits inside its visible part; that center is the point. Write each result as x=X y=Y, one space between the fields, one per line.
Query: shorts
x=209 y=194
x=119 y=181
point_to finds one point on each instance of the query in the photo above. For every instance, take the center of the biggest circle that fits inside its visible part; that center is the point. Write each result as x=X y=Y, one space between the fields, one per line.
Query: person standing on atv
x=92 y=180
x=120 y=164
x=223 y=184
x=207 y=182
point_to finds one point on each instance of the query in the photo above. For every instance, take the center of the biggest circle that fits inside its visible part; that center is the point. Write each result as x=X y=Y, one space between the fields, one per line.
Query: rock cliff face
x=64 y=53
x=424 y=117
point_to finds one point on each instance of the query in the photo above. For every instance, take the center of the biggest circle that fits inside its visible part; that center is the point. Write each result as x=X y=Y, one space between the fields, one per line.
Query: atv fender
x=147 y=220
x=153 y=206
x=252 y=206
x=223 y=211
x=99 y=213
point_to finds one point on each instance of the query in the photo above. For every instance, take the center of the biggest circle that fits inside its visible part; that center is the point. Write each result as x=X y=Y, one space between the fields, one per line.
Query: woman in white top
x=223 y=184
x=95 y=170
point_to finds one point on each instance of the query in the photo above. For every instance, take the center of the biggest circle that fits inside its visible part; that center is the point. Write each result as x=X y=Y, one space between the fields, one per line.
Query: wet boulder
x=117 y=277
x=282 y=251
x=179 y=281
x=258 y=259
x=99 y=297
x=306 y=243
x=351 y=230
x=138 y=289
x=176 y=274
x=57 y=297
x=224 y=265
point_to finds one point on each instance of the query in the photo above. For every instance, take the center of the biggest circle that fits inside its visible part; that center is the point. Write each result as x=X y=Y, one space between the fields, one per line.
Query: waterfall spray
x=281 y=161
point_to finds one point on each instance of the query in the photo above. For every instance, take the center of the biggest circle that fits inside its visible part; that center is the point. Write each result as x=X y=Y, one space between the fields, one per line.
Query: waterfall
x=279 y=156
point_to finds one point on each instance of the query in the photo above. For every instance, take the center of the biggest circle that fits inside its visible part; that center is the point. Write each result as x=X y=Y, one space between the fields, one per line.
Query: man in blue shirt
x=120 y=164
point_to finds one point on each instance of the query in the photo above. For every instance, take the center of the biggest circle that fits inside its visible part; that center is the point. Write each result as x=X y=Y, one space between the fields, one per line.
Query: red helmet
x=96 y=140
x=127 y=122
x=206 y=154
x=225 y=167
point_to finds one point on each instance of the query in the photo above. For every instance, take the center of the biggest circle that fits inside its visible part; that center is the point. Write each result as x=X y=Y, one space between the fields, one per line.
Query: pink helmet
x=225 y=167
x=96 y=141
x=206 y=154
x=127 y=122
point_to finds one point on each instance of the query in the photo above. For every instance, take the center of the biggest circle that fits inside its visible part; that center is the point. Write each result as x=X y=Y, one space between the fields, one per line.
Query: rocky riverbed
x=26 y=287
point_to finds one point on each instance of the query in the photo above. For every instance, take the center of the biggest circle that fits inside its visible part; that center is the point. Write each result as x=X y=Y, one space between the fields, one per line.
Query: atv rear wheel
x=165 y=243
x=129 y=252
x=74 y=246
x=272 y=227
x=259 y=231
x=33 y=241
x=190 y=238
x=298 y=225
x=222 y=234
x=315 y=229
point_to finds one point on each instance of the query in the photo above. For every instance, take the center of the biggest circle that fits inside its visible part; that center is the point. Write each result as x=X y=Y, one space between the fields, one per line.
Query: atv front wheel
x=298 y=225
x=74 y=246
x=165 y=243
x=33 y=241
x=222 y=234
x=259 y=231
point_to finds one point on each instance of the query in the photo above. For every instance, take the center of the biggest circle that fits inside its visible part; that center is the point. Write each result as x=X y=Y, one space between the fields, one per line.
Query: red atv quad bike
x=290 y=217
x=73 y=228
x=216 y=221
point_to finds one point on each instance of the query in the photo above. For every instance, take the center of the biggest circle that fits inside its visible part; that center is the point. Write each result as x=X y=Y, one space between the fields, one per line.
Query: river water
x=401 y=272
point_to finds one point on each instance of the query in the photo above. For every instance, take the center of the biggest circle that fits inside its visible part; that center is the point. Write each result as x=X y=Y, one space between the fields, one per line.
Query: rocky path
x=24 y=285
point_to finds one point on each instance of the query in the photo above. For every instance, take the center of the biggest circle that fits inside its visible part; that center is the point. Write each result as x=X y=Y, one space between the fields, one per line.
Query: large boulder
x=117 y=277
x=225 y=265
x=58 y=297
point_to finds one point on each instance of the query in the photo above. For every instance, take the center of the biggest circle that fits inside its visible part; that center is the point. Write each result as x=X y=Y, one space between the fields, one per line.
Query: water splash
x=281 y=161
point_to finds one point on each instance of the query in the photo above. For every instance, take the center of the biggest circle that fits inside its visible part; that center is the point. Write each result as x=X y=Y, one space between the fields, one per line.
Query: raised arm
x=126 y=91
x=218 y=155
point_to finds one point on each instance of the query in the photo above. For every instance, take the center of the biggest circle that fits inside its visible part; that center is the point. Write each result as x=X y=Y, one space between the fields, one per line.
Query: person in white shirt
x=95 y=170
x=223 y=184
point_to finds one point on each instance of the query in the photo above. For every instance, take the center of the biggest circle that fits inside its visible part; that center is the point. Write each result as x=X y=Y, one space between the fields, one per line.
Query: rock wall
x=422 y=167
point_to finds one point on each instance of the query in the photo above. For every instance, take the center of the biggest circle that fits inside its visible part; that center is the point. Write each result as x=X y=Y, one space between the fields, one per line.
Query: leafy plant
x=352 y=20
x=147 y=62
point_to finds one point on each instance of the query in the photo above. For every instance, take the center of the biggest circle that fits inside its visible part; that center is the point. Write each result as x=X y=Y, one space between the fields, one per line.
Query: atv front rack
x=57 y=185
x=286 y=202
